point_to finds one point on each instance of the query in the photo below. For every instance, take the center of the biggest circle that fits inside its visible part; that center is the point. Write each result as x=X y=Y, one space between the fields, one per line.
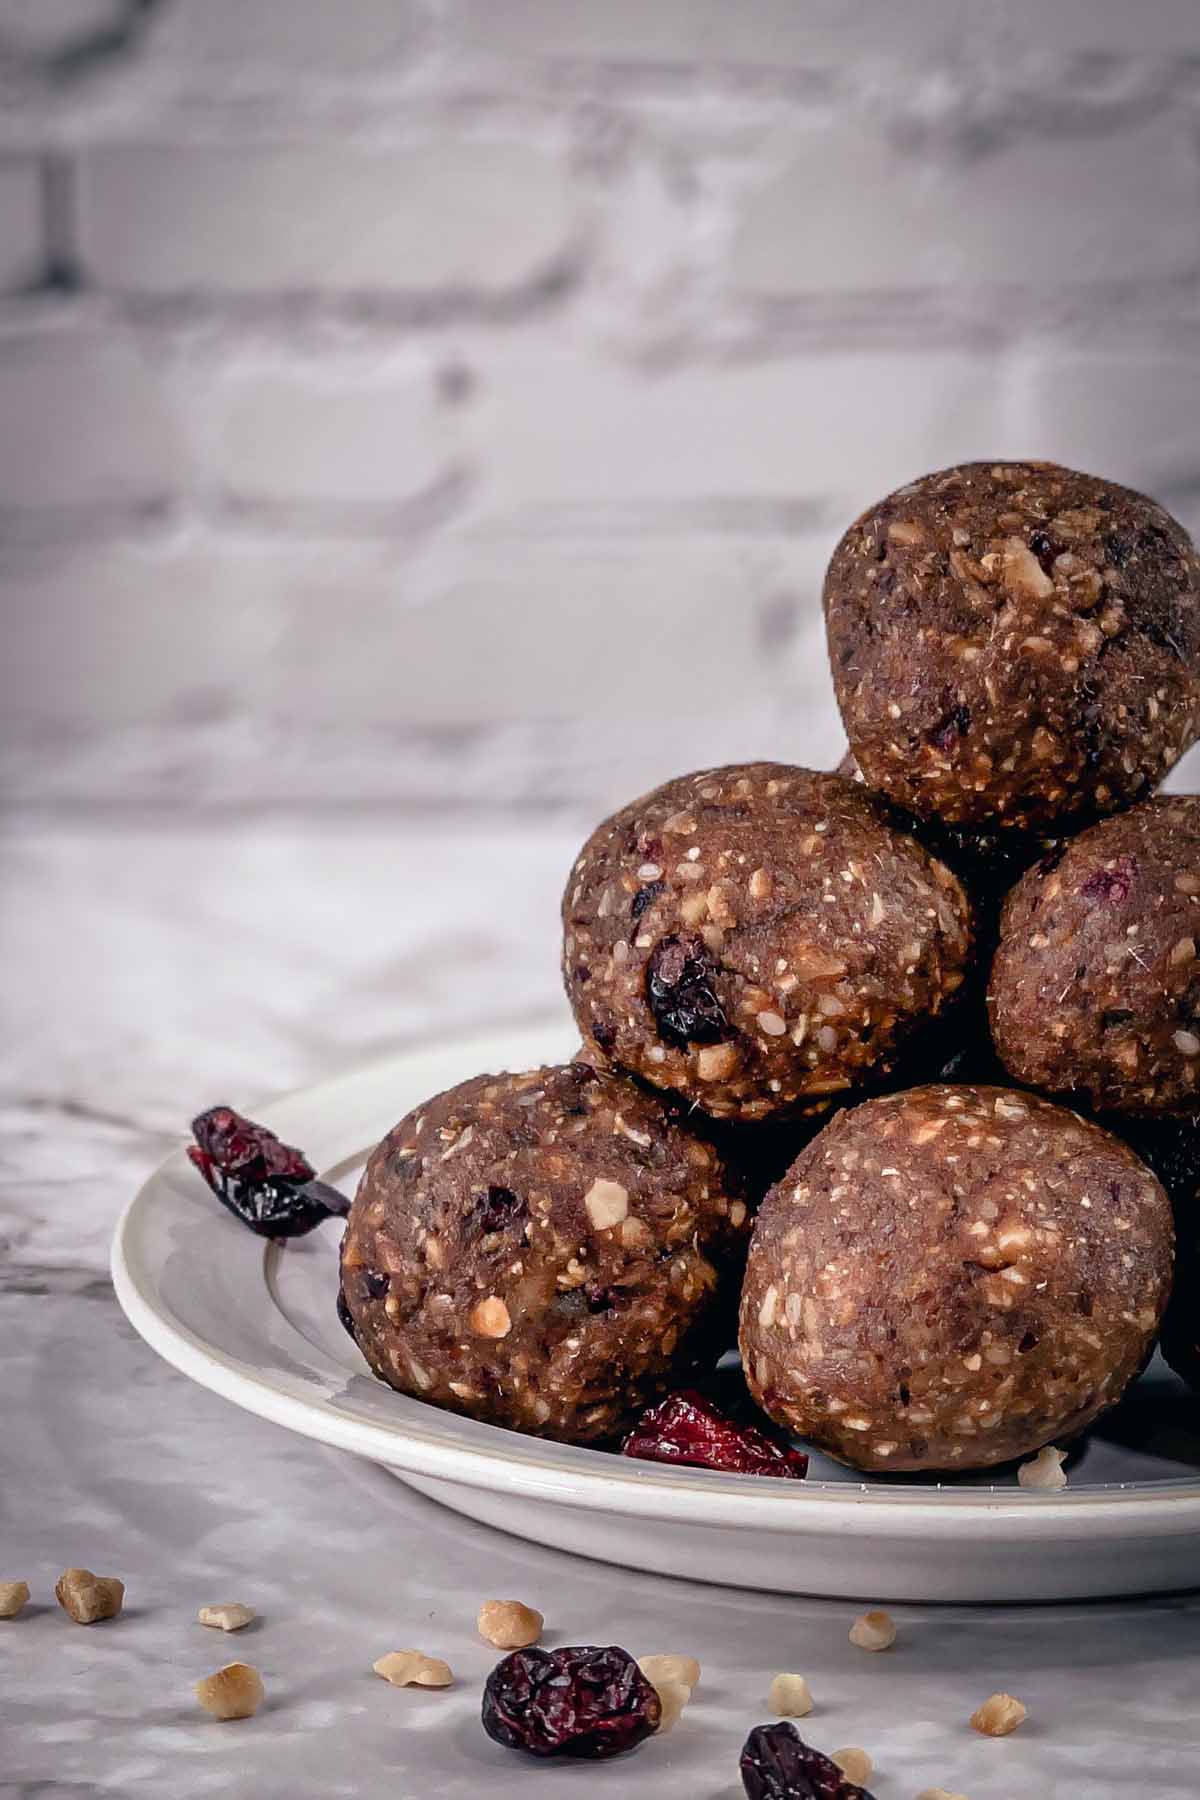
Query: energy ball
x=758 y=939
x=952 y=1277
x=542 y=1251
x=1095 y=988
x=1015 y=644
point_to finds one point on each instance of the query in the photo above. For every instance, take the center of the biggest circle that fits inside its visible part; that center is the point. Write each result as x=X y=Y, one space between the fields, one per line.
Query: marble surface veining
x=152 y=970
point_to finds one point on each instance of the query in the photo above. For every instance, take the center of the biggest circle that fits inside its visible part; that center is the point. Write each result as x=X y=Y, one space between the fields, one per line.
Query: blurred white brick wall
x=454 y=402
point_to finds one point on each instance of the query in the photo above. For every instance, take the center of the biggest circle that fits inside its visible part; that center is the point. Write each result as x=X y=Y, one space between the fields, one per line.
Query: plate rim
x=538 y=1471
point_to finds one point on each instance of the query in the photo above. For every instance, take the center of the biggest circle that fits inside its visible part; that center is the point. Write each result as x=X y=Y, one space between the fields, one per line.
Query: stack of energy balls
x=842 y=989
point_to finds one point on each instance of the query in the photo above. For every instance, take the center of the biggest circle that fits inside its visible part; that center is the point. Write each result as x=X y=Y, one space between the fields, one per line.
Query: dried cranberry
x=268 y=1185
x=1111 y=886
x=1042 y=545
x=578 y=1701
x=687 y=1428
x=955 y=725
x=778 y=1765
x=496 y=1208
x=680 y=984
x=645 y=897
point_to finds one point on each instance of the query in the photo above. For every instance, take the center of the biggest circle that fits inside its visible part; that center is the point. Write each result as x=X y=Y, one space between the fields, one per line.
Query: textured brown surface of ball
x=952 y=1277
x=759 y=939
x=1015 y=644
x=1095 y=987
x=543 y=1251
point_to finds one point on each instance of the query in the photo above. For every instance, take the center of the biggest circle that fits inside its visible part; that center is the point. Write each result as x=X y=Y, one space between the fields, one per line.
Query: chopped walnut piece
x=855 y=1764
x=998 y=1716
x=874 y=1631
x=790 y=1697
x=490 y=1318
x=234 y=1692
x=509 y=1625
x=673 y=1696
x=684 y=1669
x=1023 y=574
x=1045 y=1470
x=606 y=1204
x=230 y=1615
x=412 y=1668
x=87 y=1597
x=939 y=1794
x=716 y=1061
x=14 y=1596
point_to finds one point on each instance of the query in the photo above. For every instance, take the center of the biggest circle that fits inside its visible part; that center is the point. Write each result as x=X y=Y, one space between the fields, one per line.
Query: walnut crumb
x=999 y=1715
x=1045 y=1470
x=14 y=1597
x=412 y=1668
x=234 y=1692
x=667 y=1667
x=855 y=1764
x=874 y=1631
x=673 y=1696
x=87 y=1598
x=230 y=1615
x=790 y=1697
x=939 y=1794
x=509 y=1625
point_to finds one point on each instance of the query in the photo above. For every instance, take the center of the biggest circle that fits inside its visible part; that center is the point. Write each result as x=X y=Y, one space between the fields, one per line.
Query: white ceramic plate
x=256 y=1323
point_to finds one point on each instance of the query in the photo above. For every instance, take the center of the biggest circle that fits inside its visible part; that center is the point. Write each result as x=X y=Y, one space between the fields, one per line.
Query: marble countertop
x=152 y=969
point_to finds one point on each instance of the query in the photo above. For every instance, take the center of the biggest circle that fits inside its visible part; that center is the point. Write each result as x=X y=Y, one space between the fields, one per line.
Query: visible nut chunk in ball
x=412 y=1668
x=234 y=1692
x=87 y=1598
x=509 y=1625
x=948 y=1277
x=1015 y=644
x=855 y=1764
x=790 y=1697
x=1095 y=988
x=874 y=1631
x=229 y=1615
x=999 y=1715
x=14 y=1597
x=551 y=1252
x=759 y=938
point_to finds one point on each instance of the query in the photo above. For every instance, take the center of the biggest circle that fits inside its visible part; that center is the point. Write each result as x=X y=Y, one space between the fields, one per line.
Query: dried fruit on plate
x=686 y=1428
x=778 y=1765
x=579 y=1701
x=270 y=1186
